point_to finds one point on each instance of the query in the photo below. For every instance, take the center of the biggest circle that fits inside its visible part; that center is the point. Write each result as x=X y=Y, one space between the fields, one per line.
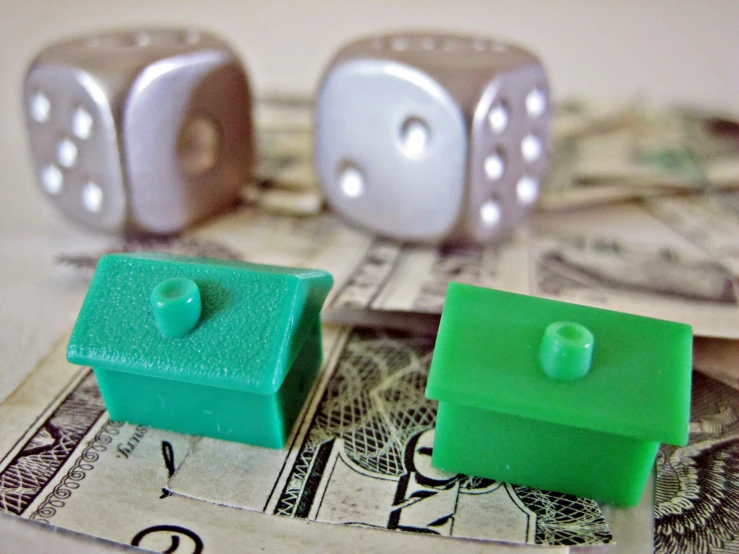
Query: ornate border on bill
x=45 y=450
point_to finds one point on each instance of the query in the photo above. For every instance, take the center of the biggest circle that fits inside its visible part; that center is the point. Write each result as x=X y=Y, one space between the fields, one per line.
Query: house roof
x=487 y=356
x=254 y=320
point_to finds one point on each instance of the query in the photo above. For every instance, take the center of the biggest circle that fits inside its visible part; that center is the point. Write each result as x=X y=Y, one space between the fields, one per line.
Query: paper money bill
x=574 y=119
x=697 y=493
x=284 y=180
x=638 y=278
x=362 y=458
x=667 y=147
x=710 y=221
x=285 y=159
x=282 y=113
x=63 y=462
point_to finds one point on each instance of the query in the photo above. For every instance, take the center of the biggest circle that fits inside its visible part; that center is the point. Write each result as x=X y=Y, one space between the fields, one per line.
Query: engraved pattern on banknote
x=421 y=482
x=44 y=453
x=375 y=409
x=609 y=265
x=561 y=517
x=697 y=492
x=370 y=276
x=56 y=499
x=381 y=261
x=317 y=230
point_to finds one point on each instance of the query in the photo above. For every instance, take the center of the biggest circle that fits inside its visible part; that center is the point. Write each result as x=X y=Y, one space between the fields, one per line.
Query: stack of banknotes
x=639 y=213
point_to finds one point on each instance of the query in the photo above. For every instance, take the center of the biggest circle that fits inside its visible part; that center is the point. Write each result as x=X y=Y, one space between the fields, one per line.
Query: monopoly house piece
x=214 y=348
x=557 y=396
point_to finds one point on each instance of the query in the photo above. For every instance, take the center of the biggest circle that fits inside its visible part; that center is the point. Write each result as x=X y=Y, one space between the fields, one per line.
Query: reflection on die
x=432 y=138
x=140 y=131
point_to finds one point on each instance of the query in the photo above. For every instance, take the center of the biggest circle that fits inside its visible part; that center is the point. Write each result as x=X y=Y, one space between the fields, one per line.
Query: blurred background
x=666 y=50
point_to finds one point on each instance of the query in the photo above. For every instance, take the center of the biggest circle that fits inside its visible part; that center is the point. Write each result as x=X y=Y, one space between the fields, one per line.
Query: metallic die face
x=391 y=149
x=187 y=138
x=73 y=145
x=508 y=151
x=143 y=130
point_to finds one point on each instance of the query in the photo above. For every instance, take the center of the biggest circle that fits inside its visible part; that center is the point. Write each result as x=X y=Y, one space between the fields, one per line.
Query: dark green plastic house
x=206 y=347
x=557 y=396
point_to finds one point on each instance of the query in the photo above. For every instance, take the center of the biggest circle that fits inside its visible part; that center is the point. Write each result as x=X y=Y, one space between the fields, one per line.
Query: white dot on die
x=429 y=43
x=399 y=44
x=531 y=148
x=527 y=189
x=192 y=36
x=40 y=107
x=535 y=103
x=52 y=179
x=66 y=153
x=480 y=44
x=494 y=167
x=351 y=182
x=490 y=213
x=82 y=123
x=92 y=197
x=142 y=39
x=498 y=118
x=414 y=137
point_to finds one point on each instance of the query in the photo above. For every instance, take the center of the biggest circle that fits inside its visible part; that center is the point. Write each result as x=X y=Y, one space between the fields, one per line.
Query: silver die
x=432 y=138
x=141 y=131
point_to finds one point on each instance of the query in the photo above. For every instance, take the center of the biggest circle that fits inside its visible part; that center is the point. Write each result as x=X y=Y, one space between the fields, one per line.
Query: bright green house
x=199 y=346
x=557 y=396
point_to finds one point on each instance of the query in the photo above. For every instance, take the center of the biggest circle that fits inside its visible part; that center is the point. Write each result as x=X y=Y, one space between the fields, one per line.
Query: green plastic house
x=206 y=347
x=556 y=396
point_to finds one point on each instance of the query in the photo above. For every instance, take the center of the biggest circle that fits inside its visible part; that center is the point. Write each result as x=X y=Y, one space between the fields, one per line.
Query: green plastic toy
x=557 y=396
x=206 y=347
